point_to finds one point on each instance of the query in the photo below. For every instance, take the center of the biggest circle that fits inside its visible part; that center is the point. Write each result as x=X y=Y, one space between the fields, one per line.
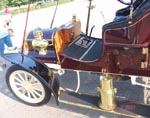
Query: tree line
x=14 y=3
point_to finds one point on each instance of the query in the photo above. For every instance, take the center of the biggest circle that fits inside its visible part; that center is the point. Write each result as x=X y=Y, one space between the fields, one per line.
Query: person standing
x=4 y=39
x=7 y=12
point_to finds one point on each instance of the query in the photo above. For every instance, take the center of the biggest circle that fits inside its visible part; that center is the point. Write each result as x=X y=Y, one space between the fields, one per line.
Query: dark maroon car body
x=119 y=51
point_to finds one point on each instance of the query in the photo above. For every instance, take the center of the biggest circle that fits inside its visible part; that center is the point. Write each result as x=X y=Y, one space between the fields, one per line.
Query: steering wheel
x=126 y=3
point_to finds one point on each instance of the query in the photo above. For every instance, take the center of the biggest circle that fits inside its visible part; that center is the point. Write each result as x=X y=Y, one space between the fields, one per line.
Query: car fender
x=30 y=64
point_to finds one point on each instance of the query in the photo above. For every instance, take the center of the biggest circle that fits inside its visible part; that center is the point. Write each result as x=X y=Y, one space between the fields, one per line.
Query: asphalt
x=13 y=108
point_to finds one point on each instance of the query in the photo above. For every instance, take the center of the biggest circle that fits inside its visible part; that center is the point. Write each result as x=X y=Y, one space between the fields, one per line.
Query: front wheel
x=27 y=87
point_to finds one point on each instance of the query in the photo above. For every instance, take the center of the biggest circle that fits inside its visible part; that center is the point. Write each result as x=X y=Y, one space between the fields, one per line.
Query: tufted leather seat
x=126 y=11
x=121 y=32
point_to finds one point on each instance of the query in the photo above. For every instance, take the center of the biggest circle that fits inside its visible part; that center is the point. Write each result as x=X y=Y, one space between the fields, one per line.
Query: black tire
x=27 y=87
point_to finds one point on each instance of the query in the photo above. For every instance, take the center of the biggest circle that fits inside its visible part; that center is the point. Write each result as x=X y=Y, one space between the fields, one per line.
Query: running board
x=124 y=108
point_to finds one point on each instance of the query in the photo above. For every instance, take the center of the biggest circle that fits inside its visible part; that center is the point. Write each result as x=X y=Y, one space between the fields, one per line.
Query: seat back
x=125 y=11
x=124 y=34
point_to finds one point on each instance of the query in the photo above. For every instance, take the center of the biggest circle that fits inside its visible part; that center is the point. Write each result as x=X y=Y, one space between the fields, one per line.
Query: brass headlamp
x=38 y=42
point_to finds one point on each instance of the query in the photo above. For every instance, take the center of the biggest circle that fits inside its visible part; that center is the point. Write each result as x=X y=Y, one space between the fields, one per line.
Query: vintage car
x=122 y=53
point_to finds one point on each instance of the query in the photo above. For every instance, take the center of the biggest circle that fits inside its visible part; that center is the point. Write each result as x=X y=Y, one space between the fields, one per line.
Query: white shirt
x=3 y=29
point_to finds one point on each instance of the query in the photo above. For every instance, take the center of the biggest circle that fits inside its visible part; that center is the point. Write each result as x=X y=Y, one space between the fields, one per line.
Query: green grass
x=32 y=8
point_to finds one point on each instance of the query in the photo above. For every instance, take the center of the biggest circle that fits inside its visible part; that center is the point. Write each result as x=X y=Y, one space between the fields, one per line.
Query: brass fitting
x=38 y=42
x=144 y=63
x=107 y=93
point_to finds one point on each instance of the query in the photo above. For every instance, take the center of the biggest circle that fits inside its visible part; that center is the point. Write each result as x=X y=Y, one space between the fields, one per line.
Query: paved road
x=12 y=108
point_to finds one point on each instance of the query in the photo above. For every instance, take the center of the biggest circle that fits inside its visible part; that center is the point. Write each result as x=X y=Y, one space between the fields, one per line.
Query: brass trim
x=144 y=63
